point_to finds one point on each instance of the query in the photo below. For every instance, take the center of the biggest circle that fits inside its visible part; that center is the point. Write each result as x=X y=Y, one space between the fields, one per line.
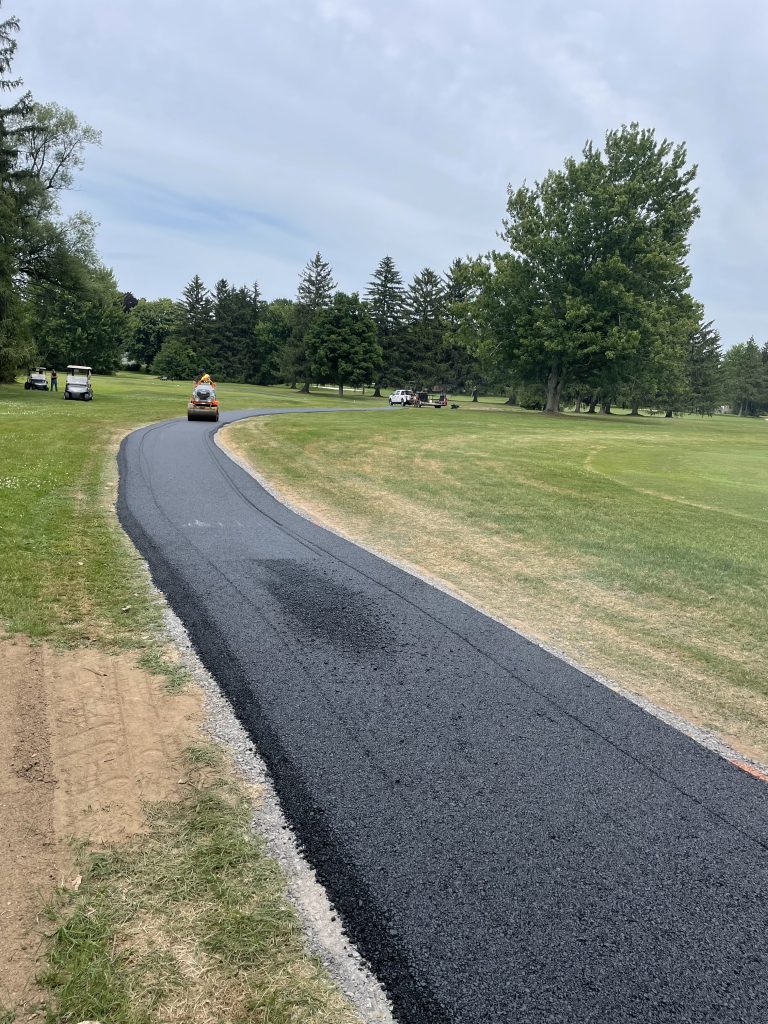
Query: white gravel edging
x=321 y=923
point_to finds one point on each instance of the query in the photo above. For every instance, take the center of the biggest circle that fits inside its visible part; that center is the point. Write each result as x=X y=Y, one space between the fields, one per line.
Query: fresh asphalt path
x=506 y=839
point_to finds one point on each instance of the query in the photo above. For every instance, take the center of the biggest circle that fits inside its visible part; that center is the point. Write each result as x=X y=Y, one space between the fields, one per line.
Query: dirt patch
x=86 y=740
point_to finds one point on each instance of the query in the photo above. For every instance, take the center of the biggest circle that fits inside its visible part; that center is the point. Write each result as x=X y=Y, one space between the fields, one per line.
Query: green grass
x=189 y=923
x=68 y=576
x=638 y=546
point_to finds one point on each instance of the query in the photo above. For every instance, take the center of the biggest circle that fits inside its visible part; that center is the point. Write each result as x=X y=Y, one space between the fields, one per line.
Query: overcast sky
x=241 y=136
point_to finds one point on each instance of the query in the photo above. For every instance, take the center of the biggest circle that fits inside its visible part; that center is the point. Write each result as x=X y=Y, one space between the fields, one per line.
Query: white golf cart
x=36 y=380
x=78 y=383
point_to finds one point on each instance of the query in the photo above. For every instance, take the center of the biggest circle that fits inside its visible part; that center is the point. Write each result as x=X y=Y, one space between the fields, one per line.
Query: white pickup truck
x=402 y=397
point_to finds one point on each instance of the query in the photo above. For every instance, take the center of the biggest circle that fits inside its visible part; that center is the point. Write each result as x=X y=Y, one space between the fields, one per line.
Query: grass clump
x=158 y=663
x=188 y=924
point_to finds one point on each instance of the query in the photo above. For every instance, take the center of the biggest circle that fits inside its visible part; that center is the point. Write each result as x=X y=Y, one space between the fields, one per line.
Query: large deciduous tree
x=40 y=148
x=176 y=360
x=85 y=327
x=266 y=346
x=342 y=344
x=149 y=324
x=595 y=278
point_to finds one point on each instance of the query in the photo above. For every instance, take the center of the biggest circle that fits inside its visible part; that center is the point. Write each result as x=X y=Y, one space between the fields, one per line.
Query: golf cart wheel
x=66 y=395
x=27 y=385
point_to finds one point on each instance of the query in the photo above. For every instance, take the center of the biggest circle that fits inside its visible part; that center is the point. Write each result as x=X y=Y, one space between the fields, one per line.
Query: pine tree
x=426 y=311
x=235 y=313
x=385 y=296
x=460 y=337
x=315 y=292
x=744 y=378
x=705 y=388
x=194 y=322
x=316 y=286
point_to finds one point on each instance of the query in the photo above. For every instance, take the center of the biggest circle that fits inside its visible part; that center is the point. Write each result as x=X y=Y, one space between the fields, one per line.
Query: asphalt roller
x=203 y=404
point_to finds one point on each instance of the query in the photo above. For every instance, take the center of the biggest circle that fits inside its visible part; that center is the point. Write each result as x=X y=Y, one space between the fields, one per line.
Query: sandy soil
x=86 y=738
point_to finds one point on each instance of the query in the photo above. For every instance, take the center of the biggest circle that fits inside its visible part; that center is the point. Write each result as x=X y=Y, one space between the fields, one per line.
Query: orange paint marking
x=751 y=770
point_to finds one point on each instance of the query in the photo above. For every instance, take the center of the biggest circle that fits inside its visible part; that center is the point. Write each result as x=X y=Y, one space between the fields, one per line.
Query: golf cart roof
x=78 y=369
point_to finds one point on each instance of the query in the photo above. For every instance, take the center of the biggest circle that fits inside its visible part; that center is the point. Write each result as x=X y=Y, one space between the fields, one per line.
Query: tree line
x=392 y=334
x=586 y=302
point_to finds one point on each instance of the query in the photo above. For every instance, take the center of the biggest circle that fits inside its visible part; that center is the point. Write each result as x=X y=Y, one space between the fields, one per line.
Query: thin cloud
x=237 y=141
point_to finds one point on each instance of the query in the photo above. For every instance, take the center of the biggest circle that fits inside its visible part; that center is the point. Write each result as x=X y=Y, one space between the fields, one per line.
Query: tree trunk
x=341 y=390
x=554 y=387
x=510 y=400
x=305 y=388
x=635 y=408
x=577 y=404
x=592 y=404
x=293 y=386
x=474 y=394
x=377 y=391
x=605 y=408
x=668 y=414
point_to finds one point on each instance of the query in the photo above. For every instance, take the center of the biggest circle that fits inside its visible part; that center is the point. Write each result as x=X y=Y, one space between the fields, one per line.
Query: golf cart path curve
x=505 y=838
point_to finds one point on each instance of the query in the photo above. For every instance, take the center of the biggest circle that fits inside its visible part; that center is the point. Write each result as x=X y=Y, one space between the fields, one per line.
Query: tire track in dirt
x=87 y=738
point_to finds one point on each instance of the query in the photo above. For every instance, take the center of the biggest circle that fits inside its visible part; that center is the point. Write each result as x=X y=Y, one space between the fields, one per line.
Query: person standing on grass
x=54 y=381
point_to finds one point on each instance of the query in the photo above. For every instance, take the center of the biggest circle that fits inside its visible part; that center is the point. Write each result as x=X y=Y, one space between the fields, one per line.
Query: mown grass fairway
x=68 y=577
x=638 y=547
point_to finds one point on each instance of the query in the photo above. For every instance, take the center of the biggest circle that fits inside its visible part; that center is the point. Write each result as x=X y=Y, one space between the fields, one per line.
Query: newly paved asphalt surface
x=506 y=839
